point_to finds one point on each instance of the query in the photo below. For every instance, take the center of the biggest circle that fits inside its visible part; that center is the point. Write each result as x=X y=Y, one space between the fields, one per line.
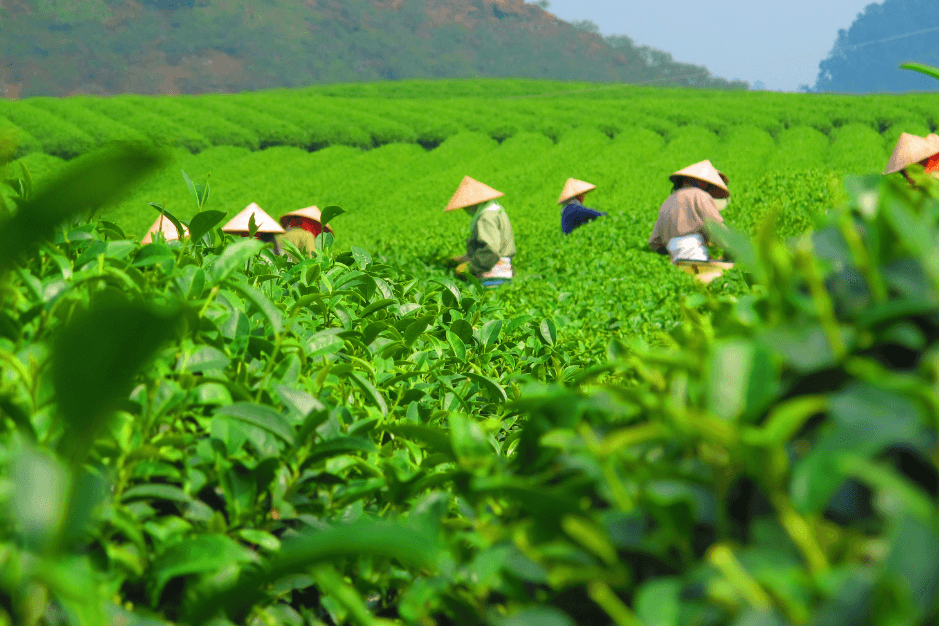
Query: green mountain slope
x=62 y=47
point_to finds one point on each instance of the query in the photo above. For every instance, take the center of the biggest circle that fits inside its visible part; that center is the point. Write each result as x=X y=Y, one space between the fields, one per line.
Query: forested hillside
x=865 y=57
x=63 y=47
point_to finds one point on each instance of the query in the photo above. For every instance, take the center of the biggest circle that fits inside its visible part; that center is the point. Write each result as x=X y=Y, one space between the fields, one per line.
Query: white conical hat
x=264 y=222
x=911 y=149
x=162 y=224
x=574 y=187
x=471 y=192
x=311 y=212
x=704 y=170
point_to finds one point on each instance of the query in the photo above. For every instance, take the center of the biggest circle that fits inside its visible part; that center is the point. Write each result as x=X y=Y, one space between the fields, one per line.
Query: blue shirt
x=575 y=214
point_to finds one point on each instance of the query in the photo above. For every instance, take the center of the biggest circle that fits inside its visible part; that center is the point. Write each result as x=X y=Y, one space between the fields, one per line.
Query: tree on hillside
x=866 y=56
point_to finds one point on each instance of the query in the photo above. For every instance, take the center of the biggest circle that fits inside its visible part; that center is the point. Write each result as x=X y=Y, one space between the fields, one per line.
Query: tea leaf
x=203 y=222
x=261 y=416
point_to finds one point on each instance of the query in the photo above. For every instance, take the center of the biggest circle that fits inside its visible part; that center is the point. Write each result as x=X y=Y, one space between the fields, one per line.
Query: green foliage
x=332 y=441
x=200 y=430
x=312 y=365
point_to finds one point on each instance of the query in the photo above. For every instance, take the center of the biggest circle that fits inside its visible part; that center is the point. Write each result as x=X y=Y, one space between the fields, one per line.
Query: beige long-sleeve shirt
x=685 y=212
x=491 y=239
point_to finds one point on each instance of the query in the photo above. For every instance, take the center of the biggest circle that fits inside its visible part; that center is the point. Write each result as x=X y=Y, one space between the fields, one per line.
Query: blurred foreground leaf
x=95 y=359
x=91 y=182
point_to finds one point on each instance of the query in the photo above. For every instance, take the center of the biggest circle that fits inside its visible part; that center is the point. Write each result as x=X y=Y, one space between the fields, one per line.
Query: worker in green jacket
x=491 y=244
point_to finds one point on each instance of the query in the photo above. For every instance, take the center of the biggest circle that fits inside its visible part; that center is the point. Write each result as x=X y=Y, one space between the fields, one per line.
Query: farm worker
x=575 y=213
x=267 y=226
x=680 y=228
x=491 y=243
x=303 y=226
x=912 y=149
x=163 y=225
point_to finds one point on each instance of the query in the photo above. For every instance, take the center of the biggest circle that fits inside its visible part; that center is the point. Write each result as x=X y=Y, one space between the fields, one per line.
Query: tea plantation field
x=391 y=155
x=200 y=432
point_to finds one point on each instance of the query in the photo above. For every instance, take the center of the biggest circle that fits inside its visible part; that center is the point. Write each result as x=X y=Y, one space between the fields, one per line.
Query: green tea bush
x=857 y=148
x=54 y=135
x=383 y=130
x=800 y=147
x=101 y=128
x=746 y=151
x=219 y=131
x=271 y=130
x=808 y=113
x=431 y=130
x=480 y=117
x=319 y=129
x=157 y=128
x=367 y=115
x=17 y=140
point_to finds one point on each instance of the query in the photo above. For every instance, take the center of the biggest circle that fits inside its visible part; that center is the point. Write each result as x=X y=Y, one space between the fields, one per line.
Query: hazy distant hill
x=866 y=56
x=60 y=47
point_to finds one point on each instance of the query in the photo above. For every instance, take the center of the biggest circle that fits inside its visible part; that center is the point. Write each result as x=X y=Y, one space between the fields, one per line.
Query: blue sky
x=779 y=43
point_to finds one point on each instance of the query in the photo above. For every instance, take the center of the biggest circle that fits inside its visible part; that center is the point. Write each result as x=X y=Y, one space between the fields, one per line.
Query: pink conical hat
x=704 y=170
x=574 y=187
x=911 y=149
x=311 y=212
x=162 y=224
x=470 y=193
x=264 y=222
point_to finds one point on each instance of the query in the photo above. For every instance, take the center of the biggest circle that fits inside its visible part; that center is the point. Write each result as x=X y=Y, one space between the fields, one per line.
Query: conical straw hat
x=911 y=149
x=574 y=187
x=704 y=170
x=311 y=212
x=162 y=224
x=471 y=192
x=264 y=222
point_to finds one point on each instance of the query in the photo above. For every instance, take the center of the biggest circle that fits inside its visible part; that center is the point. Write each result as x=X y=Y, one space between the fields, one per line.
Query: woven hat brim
x=706 y=172
x=573 y=188
x=470 y=193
